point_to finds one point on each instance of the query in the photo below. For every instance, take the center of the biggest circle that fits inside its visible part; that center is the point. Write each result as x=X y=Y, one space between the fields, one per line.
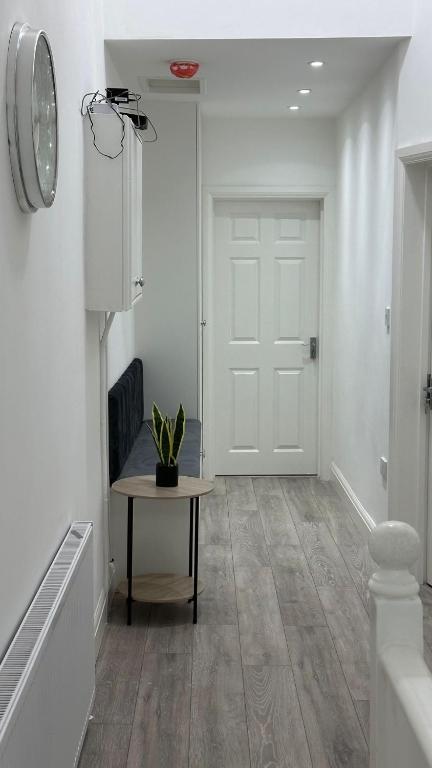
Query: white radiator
x=47 y=676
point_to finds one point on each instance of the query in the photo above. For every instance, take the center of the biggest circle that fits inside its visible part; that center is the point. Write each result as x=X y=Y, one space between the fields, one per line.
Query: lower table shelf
x=161 y=588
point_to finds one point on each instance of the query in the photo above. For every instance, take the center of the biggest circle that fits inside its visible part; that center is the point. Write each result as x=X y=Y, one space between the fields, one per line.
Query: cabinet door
x=136 y=208
x=104 y=192
x=132 y=216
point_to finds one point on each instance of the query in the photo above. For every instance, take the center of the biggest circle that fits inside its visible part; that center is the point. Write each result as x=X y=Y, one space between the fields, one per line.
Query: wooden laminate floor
x=275 y=674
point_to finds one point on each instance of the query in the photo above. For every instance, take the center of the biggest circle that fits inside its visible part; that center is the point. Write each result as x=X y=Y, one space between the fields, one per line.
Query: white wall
x=253 y=18
x=415 y=83
x=267 y=152
x=166 y=320
x=121 y=344
x=49 y=412
x=362 y=287
x=393 y=111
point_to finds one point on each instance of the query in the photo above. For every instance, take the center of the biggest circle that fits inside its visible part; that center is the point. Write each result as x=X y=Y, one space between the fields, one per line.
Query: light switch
x=383 y=468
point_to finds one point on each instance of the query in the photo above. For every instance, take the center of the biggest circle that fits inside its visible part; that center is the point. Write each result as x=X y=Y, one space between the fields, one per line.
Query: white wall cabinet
x=113 y=191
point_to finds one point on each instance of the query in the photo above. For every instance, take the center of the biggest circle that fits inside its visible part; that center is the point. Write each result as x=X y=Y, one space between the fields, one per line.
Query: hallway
x=276 y=672
x=234 y=202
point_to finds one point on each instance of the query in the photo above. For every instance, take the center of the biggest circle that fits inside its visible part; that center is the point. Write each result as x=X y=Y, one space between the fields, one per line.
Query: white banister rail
x=401 y=684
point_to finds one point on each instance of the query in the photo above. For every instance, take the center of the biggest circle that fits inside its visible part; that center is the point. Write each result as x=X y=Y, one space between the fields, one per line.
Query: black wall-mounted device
x=118 y=95
x=123 y=97
x=140 y=121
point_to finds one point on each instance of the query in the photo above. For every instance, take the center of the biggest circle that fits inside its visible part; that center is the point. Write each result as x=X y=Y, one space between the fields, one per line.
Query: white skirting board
x=357 y=507
x=102 y=608
x=100 y=620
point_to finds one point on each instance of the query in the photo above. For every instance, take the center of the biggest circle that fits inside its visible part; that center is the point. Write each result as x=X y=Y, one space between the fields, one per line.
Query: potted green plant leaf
x=168 y=437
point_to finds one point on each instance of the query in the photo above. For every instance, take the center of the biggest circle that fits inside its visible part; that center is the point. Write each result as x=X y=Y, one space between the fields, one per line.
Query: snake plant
x=168 y=435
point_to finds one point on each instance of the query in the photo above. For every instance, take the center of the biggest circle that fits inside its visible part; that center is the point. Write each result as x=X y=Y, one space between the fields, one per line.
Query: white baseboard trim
x=101 y=612
x=100 y=620
x=355 y=502
x=84 y=731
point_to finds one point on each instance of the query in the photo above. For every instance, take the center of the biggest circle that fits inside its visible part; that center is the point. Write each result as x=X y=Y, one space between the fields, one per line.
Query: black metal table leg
x=129 y=558
x=195 y=596
x=190 y=536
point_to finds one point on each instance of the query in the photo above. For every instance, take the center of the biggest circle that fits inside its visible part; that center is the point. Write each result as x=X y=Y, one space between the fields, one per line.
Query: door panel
x=266 y=292
x=245 y=307
x=244 y=410
x=288 y=407
x=287 y=305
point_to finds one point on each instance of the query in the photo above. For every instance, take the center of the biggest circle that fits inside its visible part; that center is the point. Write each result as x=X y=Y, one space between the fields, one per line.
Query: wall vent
x=168 y=86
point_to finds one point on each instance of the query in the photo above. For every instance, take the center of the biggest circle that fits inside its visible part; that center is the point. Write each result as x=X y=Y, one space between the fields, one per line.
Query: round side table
x=163 y=587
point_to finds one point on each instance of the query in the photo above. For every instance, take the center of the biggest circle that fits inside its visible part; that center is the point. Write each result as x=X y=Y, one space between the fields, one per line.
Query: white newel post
x=396 y=615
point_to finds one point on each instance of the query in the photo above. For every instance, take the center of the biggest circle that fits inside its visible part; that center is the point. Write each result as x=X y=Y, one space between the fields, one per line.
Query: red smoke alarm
x=184 y=69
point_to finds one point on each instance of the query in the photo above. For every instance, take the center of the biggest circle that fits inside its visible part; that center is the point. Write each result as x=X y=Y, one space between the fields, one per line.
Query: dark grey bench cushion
x=131 y=448
x=143 y=456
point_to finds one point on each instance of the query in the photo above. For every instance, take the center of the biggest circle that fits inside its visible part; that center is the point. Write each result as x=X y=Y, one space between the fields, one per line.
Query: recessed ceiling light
x=294 y=107
x=304 y=91
x=316 y=64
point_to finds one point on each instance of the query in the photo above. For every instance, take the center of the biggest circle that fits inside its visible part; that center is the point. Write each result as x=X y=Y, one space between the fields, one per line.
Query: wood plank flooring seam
x=343 y=661
x=347 y=563
x=232 y=557
x=347 y=738
x=240 y=642
x=340 y=660
x=240 y=569
x=354 y=701
x=300 y=704
x=277 y=666
x=329 y=629
x=238 y=631
x=136 y=698
x=291 y=664
x=275 y=722
x=190 y=701
x=307 y=560
x=161 y=728
x=330 y=632
x=220 y=488
x=317 y=519
x=221 y=665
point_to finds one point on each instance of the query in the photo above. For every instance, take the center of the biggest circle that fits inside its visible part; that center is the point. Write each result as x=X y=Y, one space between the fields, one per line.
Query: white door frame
x=325 y=195
x=410 y=341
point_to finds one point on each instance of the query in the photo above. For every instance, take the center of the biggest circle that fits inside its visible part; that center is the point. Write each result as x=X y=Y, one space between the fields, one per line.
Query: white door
x=266 y=292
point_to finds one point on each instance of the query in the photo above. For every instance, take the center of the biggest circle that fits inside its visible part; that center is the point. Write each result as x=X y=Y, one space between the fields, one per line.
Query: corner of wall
x=362 y=290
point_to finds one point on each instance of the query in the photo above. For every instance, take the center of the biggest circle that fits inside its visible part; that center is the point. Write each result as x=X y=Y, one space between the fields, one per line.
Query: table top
x=144 y=487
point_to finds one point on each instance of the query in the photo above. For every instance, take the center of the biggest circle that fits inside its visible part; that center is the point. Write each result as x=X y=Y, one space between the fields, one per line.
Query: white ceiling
x=260 y=78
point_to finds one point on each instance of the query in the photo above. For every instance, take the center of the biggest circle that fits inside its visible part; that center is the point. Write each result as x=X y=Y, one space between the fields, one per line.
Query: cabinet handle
x=139 y=281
